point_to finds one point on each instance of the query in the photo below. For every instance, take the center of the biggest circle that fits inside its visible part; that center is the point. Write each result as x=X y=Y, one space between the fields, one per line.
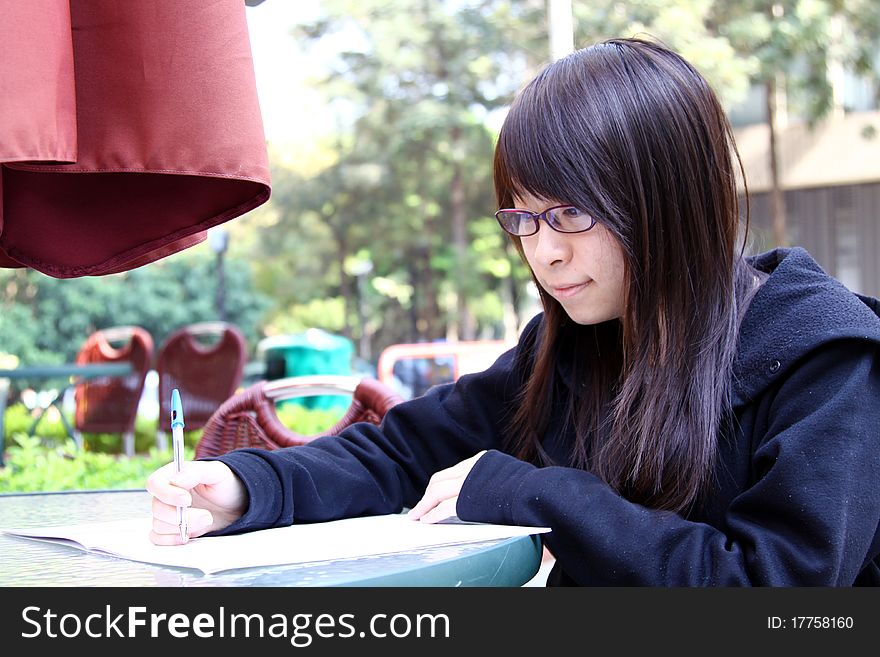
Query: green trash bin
x=313 y=352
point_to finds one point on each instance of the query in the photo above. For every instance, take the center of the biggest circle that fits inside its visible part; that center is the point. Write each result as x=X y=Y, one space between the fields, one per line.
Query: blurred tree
x=18 y=340
x=790 y=47
x=46 y=320
x=684 y=25
x=419 y=80
x=798 y=46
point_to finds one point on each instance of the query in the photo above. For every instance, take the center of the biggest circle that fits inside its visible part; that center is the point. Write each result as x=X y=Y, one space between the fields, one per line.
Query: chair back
x=249 y=418
x=109 y=404
x=206 y=373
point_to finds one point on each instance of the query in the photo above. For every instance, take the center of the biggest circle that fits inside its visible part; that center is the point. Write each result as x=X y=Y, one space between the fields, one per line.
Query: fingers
x=443 y=510
x=159 y=486
x=208 y=473
x=457 y=471
x=165 y=530
x=172 y=487
x=440 y=496
x=198 y=521
x=436 y=493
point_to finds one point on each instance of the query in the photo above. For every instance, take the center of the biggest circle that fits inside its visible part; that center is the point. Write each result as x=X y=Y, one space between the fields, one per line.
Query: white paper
x=325 y=541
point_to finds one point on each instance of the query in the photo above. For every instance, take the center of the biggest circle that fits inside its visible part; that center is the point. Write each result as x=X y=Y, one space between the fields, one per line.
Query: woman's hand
x=441 y=495
x=215 y=498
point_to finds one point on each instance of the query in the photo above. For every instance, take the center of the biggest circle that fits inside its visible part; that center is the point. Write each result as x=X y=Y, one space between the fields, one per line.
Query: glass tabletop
x=27 y=562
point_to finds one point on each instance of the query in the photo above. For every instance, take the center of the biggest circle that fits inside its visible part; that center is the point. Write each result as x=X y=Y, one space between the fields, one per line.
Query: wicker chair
x=110 y=404
x=205 y=362
x=248 y=419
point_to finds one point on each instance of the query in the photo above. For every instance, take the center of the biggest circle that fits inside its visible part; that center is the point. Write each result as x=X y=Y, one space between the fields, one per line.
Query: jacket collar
x=796 y=310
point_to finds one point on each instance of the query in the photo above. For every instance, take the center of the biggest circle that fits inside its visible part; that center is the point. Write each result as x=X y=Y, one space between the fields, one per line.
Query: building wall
x=839 y=226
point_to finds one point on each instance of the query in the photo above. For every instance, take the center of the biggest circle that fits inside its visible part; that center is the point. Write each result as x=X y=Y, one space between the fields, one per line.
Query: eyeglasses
x=561 y=218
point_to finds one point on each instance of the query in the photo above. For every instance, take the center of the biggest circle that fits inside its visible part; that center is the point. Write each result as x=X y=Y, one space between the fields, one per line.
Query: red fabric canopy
x=127 y=129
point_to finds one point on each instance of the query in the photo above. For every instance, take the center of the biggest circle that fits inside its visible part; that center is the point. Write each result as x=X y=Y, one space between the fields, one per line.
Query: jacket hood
x=797 y=309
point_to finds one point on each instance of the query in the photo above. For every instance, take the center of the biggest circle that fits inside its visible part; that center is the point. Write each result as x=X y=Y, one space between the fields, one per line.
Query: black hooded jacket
x=796 y=500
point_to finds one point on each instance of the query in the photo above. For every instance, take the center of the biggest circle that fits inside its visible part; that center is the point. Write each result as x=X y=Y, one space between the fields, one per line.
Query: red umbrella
x=127 y=129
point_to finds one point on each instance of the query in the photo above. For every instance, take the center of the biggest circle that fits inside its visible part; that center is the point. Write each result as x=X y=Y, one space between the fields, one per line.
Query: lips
x=566 y=291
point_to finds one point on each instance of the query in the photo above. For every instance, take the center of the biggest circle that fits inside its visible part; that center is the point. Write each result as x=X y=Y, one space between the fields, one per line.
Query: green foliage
x=413 y=168
x=33 y=466
x=18 y=419
x=52 y=433
x=325 y=313
x=52 y=462
x=308 y=421
x=688 y=26
x=144 y=438
x=46 y=320
x=796 y=41
x=16 y=339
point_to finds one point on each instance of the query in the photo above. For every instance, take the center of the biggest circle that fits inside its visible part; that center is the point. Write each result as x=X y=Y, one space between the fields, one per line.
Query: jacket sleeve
x=369 y=470
x=810 y=517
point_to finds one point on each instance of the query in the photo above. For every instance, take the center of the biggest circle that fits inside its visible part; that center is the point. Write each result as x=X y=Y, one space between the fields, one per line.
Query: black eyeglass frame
x=544 y=215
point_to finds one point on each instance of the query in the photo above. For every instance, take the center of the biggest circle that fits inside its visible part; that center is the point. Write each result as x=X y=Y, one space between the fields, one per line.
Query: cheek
x=620 y=285
x=612 y=266
x=615 y=271
x=606 y=257
x=528 y=250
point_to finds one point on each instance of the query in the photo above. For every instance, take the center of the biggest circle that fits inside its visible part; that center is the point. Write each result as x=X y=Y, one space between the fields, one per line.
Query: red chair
x=248 y=419
x=110 y=404
x=205 y=362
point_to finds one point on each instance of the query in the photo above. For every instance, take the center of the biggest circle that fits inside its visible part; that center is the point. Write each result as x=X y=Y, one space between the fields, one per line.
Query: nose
x=550 y=247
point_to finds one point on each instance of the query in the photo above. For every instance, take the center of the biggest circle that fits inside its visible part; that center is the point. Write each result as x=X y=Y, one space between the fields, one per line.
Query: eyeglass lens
x=565 y=219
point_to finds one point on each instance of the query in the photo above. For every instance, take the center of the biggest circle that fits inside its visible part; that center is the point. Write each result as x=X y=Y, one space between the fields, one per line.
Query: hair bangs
x=546 y=150
x=526 y=164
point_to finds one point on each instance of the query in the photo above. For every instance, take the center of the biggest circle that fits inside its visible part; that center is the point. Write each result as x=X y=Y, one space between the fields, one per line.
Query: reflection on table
x=26 y=562
x=74 y=371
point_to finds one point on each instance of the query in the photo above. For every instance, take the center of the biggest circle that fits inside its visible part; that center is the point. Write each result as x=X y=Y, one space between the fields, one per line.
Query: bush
x=52 y=462
x=31 y=465
x=52 y=433
x=307 y=421
x=19 y=420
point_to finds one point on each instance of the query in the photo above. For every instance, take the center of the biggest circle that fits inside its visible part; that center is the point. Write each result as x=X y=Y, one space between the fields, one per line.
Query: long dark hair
x=631 y=132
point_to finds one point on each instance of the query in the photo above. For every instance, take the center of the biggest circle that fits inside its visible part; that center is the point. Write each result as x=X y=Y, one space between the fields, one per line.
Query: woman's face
x=584 y=272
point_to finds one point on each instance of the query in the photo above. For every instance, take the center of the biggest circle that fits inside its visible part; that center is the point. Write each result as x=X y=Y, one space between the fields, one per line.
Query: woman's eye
x=571 y=212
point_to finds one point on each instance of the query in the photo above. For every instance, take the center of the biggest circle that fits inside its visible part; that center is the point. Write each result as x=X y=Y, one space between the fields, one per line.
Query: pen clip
x=176 y=410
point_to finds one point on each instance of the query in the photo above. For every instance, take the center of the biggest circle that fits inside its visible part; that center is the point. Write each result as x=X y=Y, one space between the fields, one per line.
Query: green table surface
x=26 y=562
x=79 y=370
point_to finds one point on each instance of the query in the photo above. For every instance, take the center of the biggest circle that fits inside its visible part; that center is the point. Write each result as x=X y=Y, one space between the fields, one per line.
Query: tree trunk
x=364 y=347
x=429 y=320
x=465 y=320
x=560 y=27
x=415 y=279
x=426 y=293
x=345 y=288
x=777 y=193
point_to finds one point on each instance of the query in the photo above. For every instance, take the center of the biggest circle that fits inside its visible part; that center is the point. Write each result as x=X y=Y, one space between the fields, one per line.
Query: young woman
x=679 y=415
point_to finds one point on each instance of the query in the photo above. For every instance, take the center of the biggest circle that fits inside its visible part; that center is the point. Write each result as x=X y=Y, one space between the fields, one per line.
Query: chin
x=589 y=318
x=585 y=319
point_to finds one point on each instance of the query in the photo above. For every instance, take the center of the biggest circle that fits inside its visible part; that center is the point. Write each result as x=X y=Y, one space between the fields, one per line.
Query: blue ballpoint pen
x=177 y=443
